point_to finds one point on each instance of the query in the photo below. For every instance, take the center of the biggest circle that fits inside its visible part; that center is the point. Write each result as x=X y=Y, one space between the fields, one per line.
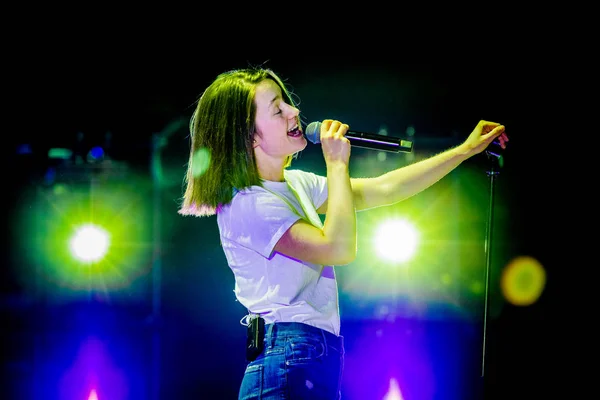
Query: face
x=277 y=126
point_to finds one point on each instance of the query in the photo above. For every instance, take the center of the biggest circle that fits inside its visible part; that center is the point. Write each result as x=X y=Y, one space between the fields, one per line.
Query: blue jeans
x=299 y=361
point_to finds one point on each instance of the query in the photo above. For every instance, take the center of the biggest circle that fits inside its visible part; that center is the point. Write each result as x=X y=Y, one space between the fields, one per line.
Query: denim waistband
x=290 y=329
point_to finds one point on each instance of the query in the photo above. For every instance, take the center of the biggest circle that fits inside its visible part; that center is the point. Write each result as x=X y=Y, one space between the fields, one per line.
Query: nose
x=291 y=111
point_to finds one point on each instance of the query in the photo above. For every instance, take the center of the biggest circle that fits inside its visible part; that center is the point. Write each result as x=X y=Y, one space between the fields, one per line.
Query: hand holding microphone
x=336 y=147
x=362 y=139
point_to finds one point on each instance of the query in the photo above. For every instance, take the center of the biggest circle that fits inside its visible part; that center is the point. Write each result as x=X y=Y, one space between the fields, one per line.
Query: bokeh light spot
x=200 y=162
x=477 y=287
x=523 y=281
x=446 y=279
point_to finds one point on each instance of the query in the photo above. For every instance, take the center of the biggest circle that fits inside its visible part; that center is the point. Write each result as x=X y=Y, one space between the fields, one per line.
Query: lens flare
x=523 y=281
x=200 y=162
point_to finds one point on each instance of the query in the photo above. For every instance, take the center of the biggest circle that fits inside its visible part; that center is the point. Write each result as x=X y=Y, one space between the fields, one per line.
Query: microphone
x=362 y=139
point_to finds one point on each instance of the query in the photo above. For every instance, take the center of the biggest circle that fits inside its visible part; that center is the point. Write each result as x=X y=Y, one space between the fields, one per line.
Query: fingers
x=502 y=139
x=494 y=131
x=335 y=144
x=325 y=125
x=333 y=128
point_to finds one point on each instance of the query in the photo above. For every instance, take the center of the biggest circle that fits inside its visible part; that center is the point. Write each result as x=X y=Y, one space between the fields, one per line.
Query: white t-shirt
x=278 y=287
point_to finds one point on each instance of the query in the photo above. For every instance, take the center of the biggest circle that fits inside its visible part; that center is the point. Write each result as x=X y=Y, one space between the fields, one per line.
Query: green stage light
x=89 y=243
x=396 y=240
x=94 y=237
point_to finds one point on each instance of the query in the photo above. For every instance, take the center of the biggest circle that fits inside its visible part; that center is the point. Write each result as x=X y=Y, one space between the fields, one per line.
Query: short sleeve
x=256 y=220
x=315 y=186
x=318 y=189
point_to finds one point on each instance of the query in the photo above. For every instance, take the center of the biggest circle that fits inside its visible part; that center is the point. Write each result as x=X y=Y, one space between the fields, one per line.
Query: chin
x=303 y=142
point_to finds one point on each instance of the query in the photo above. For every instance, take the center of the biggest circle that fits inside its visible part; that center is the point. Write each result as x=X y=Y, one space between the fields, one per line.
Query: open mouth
x=296 y=132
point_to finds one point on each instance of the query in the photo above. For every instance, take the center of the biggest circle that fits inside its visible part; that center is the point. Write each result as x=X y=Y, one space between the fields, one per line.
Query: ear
x=255 y=141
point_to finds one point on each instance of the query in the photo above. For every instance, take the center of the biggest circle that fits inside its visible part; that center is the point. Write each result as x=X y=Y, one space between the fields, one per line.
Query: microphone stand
x=496 y=161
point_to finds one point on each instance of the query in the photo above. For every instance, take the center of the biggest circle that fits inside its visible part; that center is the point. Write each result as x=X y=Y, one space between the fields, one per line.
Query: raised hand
x=485 y=133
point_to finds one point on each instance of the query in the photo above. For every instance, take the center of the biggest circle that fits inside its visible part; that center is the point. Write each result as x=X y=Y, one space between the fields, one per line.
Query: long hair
x=222 y=128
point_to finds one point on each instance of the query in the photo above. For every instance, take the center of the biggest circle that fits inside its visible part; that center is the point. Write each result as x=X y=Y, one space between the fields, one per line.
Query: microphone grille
x=313 y=132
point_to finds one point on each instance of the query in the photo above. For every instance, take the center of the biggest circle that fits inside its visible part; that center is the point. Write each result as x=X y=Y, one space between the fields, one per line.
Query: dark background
x=136 y=86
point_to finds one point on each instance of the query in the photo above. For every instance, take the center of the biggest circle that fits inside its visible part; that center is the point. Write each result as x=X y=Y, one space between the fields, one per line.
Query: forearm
x=340 y=219
x=404 y=182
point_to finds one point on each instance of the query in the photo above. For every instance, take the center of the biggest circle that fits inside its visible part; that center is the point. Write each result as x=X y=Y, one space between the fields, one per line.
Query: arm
x=335 y=244
x=404 y=182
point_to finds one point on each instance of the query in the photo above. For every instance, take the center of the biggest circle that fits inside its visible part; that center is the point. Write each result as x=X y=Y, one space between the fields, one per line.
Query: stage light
x=93 y=395
x=88 y=238
x=394 y=393
x=89 y=243
x=396 y=240
x=95 y=155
